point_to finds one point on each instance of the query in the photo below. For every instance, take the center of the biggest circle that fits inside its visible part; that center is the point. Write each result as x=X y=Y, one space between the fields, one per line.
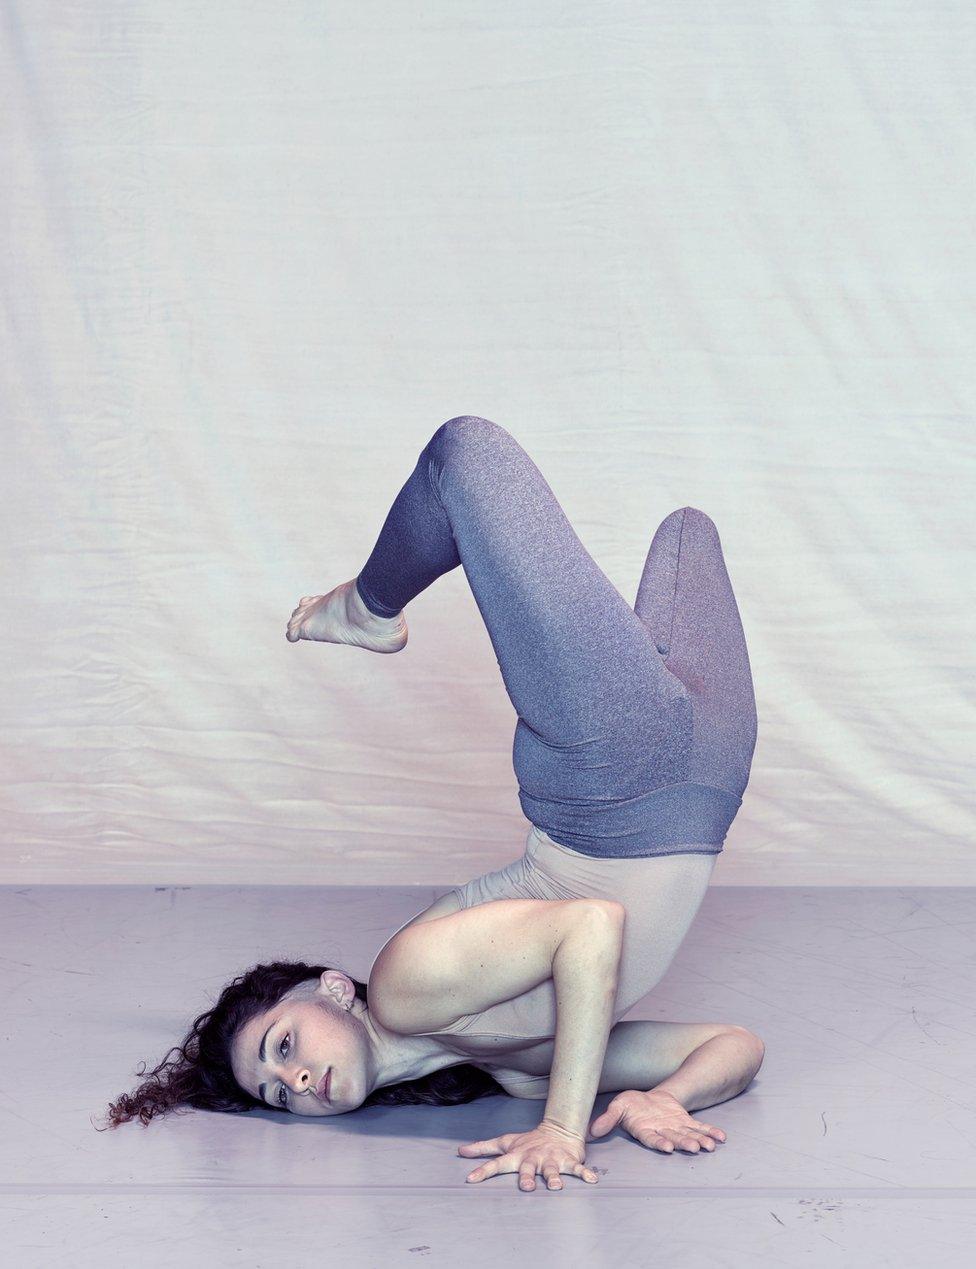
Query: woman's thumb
x=603 y=1123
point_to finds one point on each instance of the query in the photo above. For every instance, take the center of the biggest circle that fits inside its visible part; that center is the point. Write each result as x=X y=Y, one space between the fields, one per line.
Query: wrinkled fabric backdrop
x=718 y=255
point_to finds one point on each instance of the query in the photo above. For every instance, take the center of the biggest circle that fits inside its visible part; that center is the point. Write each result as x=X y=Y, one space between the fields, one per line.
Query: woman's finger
x=710 y=1129
x=481 y=1148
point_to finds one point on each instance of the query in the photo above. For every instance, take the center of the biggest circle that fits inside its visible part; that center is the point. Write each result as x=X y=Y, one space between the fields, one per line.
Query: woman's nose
x=301 y=1080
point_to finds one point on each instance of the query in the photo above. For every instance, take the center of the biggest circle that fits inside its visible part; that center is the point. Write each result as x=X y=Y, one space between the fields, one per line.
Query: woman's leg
x=576 y=661
x=686 y=601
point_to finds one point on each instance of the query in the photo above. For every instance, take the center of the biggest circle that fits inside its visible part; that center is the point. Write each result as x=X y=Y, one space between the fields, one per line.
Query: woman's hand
x=656 y=1119
x=548 y=1149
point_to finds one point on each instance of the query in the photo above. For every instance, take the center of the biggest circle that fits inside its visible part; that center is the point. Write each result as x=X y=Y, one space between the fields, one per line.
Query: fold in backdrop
x=718 y=255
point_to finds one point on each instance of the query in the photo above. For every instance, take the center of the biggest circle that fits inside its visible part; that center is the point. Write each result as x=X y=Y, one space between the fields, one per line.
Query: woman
x=632 y=750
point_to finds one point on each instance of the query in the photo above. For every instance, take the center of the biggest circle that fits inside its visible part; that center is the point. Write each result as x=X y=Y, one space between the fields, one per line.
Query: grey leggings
x=636 y=728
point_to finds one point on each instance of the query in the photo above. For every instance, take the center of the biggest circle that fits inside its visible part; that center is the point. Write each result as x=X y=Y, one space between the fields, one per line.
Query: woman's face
x=309 y=1031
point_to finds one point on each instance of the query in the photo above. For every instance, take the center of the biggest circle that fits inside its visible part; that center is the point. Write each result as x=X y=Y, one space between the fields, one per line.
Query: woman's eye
x=283 y=1092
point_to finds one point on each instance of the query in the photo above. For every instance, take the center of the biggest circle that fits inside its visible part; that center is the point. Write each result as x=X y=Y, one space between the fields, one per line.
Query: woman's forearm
x=715 y=1071
x=585 y=973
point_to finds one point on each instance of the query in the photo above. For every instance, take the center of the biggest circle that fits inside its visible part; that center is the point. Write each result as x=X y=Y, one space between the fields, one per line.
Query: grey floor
x=855 y=1145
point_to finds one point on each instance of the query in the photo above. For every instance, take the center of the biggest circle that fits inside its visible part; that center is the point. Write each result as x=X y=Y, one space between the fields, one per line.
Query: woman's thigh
x=686 y=602
x=675 y=776
x=580 y=667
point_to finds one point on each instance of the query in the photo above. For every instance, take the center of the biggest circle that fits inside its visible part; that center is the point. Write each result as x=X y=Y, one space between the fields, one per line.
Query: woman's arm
x=585 y=973
x=433 y=973
x=660 y=1117
x=644 y=1054
x=717 y=1070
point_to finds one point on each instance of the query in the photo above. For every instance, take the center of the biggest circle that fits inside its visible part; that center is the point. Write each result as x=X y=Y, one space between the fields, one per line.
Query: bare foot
x=342 y=617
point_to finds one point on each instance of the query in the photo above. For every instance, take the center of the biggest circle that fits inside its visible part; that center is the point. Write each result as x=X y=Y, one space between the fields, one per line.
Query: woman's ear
x=334 y=984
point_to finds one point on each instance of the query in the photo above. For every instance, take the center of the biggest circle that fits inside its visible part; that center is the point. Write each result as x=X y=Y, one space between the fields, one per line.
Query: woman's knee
x=466 y=426
x=468 y=436
x=698 y=524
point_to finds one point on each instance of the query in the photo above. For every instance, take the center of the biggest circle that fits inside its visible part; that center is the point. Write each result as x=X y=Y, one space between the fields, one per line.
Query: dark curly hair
x=200 y=1074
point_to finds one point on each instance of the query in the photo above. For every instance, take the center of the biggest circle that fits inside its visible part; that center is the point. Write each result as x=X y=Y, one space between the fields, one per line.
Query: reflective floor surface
x=855 y=1144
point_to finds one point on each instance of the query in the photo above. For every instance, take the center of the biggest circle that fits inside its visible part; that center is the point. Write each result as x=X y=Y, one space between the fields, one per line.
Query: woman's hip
x=654 y=790
x=682 y=818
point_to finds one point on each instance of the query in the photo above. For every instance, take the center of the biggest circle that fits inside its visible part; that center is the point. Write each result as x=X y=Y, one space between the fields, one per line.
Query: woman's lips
x=323 y=1086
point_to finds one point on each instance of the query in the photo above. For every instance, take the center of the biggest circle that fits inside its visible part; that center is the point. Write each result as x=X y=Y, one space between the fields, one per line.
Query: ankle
x=358 y=612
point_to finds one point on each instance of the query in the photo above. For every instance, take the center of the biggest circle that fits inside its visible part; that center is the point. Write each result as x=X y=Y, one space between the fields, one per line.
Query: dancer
x=632 y=750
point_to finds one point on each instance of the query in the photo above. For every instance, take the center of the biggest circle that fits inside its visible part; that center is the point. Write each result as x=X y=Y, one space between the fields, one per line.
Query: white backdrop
x=253 y=255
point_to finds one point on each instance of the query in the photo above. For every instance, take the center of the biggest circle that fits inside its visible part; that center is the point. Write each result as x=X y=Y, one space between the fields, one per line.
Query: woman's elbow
x=754 y=1041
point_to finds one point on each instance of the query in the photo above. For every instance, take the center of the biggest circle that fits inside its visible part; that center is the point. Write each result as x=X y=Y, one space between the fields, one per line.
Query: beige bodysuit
x=662 y=894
